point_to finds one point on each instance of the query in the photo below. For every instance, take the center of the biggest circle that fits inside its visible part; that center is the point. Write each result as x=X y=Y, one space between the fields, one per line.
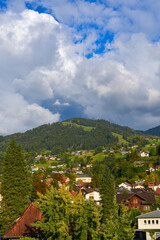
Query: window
x=149 y=222
x=146 y=208
x=90 y=197
x=135 y=200
x=152 y=221
x=145 y=222
x=156 y=221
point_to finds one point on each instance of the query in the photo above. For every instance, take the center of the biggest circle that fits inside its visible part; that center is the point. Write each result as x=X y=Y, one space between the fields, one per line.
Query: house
x=91 y=193
x=125 y=185
x=23 y=225
x=147 y=223
x=157 y=167
x=151 y=169
x=84 y=178
x=89 y=165
x=34 y=168
x=137 y=186
x=154 y=185
x=144 y=154
x=142 y=201
x=140 y=180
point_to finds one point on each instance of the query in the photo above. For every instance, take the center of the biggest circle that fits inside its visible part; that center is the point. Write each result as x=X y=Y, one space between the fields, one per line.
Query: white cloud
x=39 y=61
x=58 y=103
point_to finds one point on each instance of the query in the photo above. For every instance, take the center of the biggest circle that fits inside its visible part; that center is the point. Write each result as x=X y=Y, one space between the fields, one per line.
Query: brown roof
x=22 y=225
x=148 y=197
x=89 y=190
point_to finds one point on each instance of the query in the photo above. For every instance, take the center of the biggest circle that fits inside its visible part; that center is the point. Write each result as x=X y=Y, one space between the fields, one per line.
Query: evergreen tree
x=107 y=193
x=15 y=186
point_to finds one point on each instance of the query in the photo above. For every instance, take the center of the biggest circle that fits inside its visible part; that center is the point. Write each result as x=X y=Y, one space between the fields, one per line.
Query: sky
x=97 y=59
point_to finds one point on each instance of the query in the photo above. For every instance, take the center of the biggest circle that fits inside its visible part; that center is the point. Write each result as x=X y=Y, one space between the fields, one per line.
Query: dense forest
x=153 y=131
x=76 y=133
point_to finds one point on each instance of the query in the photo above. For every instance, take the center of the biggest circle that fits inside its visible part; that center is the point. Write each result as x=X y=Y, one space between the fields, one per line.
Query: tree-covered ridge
x=153 y=131
x=78 y=133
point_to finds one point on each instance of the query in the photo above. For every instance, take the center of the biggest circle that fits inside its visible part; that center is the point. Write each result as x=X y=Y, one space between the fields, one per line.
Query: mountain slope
x=153 y=131
x=73 y=133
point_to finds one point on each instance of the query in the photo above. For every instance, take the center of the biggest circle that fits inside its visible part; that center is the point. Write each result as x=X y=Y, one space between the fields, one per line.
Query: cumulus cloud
x=44 y=59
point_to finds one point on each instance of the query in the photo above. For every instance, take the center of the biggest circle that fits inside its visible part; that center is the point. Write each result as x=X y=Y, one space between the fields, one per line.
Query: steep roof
x=22 y=225
x=154 y=214
x=148 y=197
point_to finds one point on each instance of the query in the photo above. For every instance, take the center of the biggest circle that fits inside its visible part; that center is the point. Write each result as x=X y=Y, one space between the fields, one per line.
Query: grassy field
x=120 y=138
x=86 y=128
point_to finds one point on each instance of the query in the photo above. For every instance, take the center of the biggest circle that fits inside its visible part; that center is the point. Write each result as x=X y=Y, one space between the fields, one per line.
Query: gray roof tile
x=154 y=214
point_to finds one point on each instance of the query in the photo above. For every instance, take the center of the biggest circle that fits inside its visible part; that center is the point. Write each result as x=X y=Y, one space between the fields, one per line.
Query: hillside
x=153 y=131
x=75 y=133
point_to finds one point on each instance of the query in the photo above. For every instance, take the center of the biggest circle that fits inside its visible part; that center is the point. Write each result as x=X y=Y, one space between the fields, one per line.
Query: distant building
x=34 y=168
x=144 y=154
x=125 y=185
x=84 y=178
x=92 y=193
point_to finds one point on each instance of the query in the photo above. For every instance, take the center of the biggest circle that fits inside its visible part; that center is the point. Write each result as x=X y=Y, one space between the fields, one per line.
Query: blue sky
x=77 y=58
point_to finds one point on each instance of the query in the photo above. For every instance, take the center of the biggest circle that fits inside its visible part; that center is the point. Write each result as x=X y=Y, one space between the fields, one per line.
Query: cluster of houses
x=132 y=196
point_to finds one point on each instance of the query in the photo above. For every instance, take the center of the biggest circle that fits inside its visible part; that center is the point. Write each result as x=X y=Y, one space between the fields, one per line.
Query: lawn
x=120 y=138
x=86 y=128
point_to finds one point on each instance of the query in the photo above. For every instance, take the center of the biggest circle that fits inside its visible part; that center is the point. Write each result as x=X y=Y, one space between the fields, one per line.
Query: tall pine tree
x=15 y=186
x=107 y=193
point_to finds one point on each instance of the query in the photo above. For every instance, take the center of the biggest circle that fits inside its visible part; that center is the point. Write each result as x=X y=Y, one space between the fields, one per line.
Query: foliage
x=59 y=137
x=37 y=186
x=15 y=186
x=107 y=192
x=117 y=225
x=66 y=217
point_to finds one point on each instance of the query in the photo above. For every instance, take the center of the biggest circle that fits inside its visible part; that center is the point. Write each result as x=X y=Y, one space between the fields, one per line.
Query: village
x=74 y=171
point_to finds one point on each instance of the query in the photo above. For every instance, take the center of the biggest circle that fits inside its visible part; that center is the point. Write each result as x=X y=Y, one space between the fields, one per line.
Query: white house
x=149 y=223
x=125 y=185
x=144 y=154
x=93 y=193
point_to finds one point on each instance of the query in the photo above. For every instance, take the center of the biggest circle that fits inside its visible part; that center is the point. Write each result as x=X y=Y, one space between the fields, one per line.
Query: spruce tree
x=107 y=193
x=15 y=185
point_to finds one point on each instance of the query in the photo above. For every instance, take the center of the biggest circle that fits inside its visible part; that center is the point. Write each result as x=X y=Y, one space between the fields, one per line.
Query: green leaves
x=66 y=217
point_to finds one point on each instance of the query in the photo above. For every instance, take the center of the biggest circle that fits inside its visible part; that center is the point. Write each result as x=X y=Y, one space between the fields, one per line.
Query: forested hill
x=153 y=131
x=75 y=133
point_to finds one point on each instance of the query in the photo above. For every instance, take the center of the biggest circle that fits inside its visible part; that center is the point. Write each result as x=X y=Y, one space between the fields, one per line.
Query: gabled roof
x=154 y=214
x=148 y=197
x=89 y=190
x=22 y=225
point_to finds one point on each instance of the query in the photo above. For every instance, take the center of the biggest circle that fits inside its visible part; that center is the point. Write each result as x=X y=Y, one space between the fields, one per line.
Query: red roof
x=65 y=179
x=80 y=183
x=22 y=225
x=74 y=194
x=158 y=190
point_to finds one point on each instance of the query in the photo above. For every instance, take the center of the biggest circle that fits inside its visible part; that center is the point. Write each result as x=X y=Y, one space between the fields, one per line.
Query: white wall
x=143 y=225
